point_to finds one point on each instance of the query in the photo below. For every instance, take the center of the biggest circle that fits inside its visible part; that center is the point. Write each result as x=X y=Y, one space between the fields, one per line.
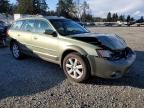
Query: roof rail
x=54 y=16
x=33 y=16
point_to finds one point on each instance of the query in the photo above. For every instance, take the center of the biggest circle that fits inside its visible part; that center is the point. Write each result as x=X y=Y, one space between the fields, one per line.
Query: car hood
x=110 y=41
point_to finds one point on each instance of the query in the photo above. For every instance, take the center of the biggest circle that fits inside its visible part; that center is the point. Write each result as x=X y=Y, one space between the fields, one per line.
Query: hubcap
x=15 y=50
x=74 y=68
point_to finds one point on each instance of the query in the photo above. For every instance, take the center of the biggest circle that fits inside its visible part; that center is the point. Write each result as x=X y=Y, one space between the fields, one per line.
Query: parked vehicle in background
x=140 y=24
x=3 y=33
x=80 y=53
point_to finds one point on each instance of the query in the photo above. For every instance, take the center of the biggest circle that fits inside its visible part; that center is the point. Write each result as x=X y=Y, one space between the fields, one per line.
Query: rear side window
x=42 y=26
x=17 y=25
x=28 y=26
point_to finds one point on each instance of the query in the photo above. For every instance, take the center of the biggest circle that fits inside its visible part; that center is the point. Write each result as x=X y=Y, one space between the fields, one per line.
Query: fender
x=72 y=48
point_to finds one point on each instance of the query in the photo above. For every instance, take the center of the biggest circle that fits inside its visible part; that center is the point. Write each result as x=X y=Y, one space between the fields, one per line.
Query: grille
x=118 y=54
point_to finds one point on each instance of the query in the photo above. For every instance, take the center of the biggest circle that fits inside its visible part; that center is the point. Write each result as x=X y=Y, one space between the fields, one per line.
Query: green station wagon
x=79 y=52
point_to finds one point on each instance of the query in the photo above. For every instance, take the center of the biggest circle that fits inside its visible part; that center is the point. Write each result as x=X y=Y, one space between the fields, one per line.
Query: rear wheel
x=16 y=50
x=75 y=67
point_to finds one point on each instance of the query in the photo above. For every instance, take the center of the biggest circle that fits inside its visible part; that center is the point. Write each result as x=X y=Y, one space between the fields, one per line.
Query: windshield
x=67 y=27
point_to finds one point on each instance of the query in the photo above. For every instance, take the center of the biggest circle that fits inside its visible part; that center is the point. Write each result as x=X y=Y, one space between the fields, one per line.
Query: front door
x=44 y=46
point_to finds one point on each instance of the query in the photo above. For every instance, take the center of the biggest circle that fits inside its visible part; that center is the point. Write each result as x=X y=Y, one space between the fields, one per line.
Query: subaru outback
x=79 y=52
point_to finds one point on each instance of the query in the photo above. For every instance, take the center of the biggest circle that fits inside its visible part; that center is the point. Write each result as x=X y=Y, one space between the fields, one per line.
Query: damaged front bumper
x=105 y=68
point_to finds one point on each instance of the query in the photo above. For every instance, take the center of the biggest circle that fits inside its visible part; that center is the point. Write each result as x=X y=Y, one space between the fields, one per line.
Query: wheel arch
x=71 y=49
x=11 y=41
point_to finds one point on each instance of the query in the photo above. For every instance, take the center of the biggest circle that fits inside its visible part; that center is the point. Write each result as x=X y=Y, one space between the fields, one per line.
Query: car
x=3 y=33
x=80 y=53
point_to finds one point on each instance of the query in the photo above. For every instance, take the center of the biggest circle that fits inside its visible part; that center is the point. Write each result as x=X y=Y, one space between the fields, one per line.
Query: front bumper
x=104 y=68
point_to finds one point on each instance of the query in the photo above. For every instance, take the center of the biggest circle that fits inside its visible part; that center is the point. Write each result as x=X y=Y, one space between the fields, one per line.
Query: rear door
x=15 y=31
x=25 y=36
x=44 y=45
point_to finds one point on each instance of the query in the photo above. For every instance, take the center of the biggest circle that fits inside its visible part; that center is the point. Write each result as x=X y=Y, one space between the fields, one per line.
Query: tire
x=15 y=49
x=75 y=67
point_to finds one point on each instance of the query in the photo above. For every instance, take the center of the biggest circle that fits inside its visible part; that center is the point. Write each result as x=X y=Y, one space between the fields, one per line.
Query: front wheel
x=75 y=67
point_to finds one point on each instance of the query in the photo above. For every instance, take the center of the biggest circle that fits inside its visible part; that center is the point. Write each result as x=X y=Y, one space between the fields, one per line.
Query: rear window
x=28 y=26
x=17 y=25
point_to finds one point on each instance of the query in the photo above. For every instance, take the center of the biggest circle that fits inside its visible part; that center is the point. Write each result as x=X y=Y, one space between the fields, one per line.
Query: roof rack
x=32 y=16
x=54 y=17
x=41 y=16
x=21 y=16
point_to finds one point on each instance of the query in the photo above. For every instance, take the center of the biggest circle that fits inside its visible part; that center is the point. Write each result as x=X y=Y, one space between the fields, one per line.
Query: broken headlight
x=104 y=53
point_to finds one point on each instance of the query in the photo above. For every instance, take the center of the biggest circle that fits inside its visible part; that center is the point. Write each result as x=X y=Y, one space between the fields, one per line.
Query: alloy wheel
x=74 y=68
x=15 y=50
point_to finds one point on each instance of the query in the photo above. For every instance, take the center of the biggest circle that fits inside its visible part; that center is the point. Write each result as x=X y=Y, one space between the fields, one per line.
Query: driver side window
x=41 y=26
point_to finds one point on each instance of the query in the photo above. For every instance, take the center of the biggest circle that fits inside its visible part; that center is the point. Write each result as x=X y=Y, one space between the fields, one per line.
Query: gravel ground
x=36 y=83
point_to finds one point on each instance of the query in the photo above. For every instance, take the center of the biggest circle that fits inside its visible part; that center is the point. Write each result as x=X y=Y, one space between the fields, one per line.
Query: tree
x=109 y=17
x=31 y=6
x=4 y=6
x=122 y=18
x=85 y=8
x=89 y=18
x=52 y=13
x=128 y=18
x=66 y=8
x=116 y=17
x=40 y=6
x=25 y=7
x=78 y=9
x=141 y=20
x=132 y=19
x=11 y=9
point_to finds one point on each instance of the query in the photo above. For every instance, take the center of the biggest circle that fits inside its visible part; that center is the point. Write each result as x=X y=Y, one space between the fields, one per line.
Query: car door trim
x=41 y=47
x=46 y=54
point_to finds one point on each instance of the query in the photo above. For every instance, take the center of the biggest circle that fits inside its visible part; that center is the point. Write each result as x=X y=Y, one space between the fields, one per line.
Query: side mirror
x=51 y=32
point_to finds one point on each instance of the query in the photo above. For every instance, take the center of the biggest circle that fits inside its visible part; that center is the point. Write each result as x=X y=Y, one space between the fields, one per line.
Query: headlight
x=104 y=53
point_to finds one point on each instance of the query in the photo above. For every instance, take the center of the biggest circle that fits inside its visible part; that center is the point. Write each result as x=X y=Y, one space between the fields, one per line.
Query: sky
x=100 y=8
